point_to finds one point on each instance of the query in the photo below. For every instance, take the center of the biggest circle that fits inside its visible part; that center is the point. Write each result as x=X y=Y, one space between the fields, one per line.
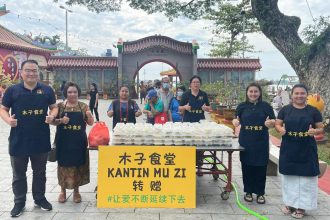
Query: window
x=218 y=76
x=94 y=76
x=78 y=76
x=62 y=75
x=204 y=76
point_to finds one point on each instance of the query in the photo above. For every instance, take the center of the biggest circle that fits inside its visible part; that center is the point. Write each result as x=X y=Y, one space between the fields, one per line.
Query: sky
x=98 y=32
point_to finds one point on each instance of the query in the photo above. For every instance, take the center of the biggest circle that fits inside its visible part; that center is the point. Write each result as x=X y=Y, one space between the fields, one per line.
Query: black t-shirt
x=196 y=103
x=253 y=134
x=308 y=110
x=298 y=152
x=93 y=97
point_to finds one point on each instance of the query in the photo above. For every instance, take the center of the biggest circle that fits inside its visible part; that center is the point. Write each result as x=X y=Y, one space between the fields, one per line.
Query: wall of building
x=105 y=79
x=234 y=76
x=11 y=60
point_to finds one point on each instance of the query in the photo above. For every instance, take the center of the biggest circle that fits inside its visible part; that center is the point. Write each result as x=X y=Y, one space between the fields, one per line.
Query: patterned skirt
x=73 y=177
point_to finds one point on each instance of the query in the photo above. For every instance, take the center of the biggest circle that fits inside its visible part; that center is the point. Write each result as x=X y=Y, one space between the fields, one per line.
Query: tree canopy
x=230 y=24
x=310 y=60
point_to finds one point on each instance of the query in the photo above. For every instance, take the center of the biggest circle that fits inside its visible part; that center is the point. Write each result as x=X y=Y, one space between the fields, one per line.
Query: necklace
x=70 y=105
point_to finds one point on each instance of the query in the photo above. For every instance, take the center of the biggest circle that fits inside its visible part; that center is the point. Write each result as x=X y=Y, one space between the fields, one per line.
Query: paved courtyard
x=210 y=206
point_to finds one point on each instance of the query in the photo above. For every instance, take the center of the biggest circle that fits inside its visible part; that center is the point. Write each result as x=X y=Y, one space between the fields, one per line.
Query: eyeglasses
x=31 y=71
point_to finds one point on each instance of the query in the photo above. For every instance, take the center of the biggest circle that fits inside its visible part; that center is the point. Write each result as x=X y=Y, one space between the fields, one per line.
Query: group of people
x=298 y=163
x=184 y=106
x=30 y=107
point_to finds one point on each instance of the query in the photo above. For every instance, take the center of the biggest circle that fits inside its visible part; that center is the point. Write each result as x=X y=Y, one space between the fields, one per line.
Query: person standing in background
x=173 y=112
x=165 y=94
x=143 y=91
x=94 y=100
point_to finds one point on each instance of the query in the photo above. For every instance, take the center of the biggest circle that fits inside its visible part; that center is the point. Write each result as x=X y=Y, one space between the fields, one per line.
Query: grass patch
x=324 y=150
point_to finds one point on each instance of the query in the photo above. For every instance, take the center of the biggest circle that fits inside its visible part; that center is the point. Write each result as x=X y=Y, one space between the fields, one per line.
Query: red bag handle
x=101 y=123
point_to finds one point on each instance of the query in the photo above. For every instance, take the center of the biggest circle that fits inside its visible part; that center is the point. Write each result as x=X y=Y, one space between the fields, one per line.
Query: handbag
x=52 y=154
x=99 y=135
x=161 y=118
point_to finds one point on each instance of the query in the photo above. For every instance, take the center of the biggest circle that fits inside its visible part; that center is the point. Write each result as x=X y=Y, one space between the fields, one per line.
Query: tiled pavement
x=210 y=206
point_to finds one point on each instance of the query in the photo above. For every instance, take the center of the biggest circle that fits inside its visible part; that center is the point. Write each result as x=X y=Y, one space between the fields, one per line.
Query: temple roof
x=85 y=62
x=12 y=41
x=157 y=41
x=111 y=62
x=228 y=63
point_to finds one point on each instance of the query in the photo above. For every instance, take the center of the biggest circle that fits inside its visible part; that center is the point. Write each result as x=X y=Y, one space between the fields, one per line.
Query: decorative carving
x=44 y=41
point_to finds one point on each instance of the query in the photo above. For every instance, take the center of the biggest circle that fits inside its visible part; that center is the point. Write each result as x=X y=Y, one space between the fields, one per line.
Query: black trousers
x=19 y=165
x=96 y=112
x=254 y=179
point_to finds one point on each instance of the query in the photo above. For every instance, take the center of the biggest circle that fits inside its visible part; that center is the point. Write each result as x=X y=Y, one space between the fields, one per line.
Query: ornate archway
x=133 y=55
x=157 y=60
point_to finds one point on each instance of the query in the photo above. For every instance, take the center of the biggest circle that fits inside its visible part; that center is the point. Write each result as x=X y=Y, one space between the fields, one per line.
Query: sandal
x=261 y=199
x=248 y=197
x=298 y=213
x=62 y=197
x=76 y=197
x=288 y=210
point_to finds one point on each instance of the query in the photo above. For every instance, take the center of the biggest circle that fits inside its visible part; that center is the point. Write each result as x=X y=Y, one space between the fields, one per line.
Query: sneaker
x=18 y=209
x=43 y=204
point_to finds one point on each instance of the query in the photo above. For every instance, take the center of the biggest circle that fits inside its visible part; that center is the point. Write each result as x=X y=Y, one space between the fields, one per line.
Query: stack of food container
x=190 y=134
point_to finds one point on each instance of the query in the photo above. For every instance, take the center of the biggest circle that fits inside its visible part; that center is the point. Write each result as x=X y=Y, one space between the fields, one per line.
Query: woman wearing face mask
x=255 y=117
x=174 y=114
x=123 y=110
x=298 y=163
x=165 y=94
x=71 y=142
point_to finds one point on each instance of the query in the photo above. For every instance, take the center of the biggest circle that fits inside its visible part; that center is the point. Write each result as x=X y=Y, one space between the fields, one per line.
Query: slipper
x=261 y=199
x=76 y=197
x=288 y=210
x=298 y=213
x=248 y=197
x=62 y=197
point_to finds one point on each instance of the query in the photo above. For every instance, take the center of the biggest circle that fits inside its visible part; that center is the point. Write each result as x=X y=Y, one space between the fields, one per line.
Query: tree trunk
x=310 y=62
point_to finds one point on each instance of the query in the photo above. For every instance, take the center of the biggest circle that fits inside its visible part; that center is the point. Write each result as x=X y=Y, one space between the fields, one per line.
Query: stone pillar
x=195 y=47
x=120 y=48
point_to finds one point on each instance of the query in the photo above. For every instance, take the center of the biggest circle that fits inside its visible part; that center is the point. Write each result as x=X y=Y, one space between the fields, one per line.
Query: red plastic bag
x=161 y=118
x=99 y=135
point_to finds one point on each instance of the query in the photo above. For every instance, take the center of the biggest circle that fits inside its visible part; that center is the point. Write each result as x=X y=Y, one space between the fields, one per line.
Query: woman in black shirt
x=255 y=117
x=94 y=100
x=298 y=162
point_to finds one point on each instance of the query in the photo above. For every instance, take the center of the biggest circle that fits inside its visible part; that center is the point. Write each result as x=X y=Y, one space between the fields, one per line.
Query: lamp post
x=66 y=26
x=243 y=37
